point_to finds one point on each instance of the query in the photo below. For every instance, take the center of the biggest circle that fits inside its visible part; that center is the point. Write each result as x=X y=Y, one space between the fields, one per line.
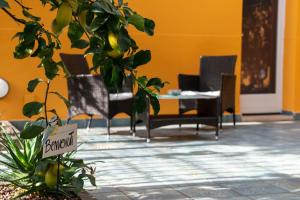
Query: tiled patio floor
x=253 y=161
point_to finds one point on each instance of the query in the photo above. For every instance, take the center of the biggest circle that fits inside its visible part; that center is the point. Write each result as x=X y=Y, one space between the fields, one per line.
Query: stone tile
x=225 y=198
x=110 y=196
x=252 y=159
x=104 y=189
x=208 y=191
x=142 y=188
x=291 y=185
x=254 y=188
x=285 y=196
x=157 y=194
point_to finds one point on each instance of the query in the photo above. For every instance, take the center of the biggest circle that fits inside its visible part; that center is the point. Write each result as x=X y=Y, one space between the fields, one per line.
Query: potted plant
x=99 y=29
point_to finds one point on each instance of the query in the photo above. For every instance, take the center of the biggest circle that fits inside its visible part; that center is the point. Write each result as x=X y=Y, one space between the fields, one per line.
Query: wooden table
x=160 y=120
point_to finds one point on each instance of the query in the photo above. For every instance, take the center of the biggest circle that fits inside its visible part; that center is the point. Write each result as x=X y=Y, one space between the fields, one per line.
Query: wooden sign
x=61 y=140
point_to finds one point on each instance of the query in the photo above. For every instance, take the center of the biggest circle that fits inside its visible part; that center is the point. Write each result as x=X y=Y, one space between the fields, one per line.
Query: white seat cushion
x=120 y=96
x=209 y=93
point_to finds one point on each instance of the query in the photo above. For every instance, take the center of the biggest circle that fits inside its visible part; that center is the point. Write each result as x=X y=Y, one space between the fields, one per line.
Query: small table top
x=191 y=95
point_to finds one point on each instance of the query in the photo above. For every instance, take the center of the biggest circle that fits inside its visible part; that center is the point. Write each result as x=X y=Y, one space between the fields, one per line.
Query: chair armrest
x=82 y=75
x=228 y=82
x=228 y=91
x=188 y=82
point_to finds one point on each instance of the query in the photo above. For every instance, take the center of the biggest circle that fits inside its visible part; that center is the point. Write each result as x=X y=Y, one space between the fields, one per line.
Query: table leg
x=217 y=131
x=148 y=135
x=148 y=123
x=218 y=104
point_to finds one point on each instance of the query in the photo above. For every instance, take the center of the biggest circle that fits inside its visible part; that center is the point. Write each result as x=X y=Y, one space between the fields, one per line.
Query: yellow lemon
x=50 y=179
x=53 y=168
x=55 y=28
x=82 y=18
x=115 y=53
x=63 y=17
x=113 y=40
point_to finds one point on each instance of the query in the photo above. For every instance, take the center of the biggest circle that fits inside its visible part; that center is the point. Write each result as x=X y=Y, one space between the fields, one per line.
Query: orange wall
x=185 y=30
x=291 y=84
x=297 y=63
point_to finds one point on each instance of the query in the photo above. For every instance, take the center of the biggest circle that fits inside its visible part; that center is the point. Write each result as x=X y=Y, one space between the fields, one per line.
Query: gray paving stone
x=261 y=161
x=255 y=188
x=208 y=191
x=156 y=194
x=220 y=198
x=103 y=190
x=286 y=196
x=109 y=196
x=292 y=185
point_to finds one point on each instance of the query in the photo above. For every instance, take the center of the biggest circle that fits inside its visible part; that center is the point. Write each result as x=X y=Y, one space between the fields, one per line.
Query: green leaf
x=117 y=77
x=75 y=34
x=31 y=131
x=30 y=31
x=66 y=101
x=149 y=26
x=23 y=50
x=73 y=4
x=15 y=152
x=51 y=68
x=46 y=53
x=143 y=80
x=93 y=51
x=106 y=72
x=89 y=17
x=156 y=83
x=33 y=83
x=125 y=42
x=65 y=69
x=3 y=4
x=75 y=31
x=98 y=22
x=104 y=6
x=80 y=44
x=140 y=58
x=30 y=16
x=41 y=45
x=18 y=35
x=153 y=82
x=77 y=183
x=9 y=165
x=127 y=62
x=155 y=104
x=140 y=102
x=98 y=59
x=137 y=21
x=92 y=179
x=32 y=108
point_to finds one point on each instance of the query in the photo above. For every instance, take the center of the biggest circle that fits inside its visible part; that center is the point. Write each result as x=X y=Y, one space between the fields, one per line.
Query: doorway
x=262 y=56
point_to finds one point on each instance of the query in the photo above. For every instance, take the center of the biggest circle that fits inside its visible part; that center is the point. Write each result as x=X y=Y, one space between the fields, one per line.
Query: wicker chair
x=217 y=74
x=89 y=95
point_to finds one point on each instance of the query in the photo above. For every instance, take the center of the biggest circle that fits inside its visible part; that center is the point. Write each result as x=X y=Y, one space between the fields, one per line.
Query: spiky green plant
x=25 y=168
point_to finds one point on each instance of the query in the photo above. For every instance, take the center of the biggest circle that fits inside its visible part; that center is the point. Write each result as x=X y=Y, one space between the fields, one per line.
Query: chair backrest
x=211 y=69
x=75 y=63
x=127 y=85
